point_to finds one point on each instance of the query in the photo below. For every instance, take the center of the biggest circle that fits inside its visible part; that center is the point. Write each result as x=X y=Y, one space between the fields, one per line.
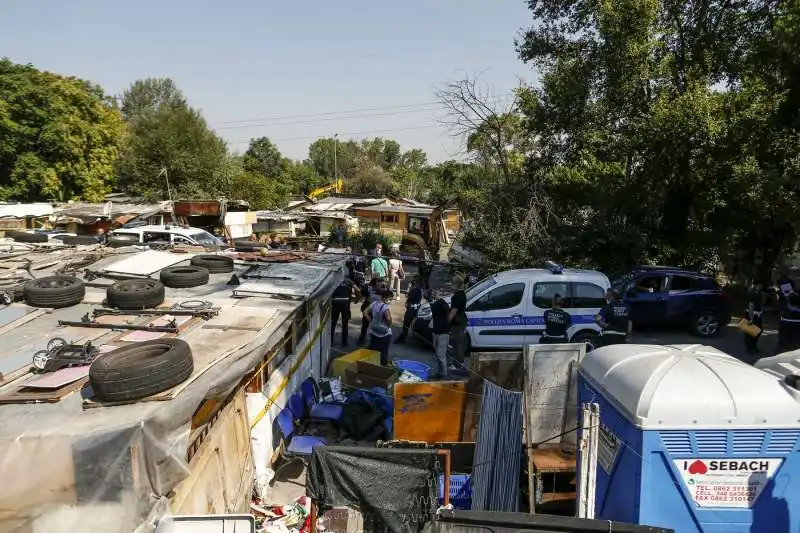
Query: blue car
x=667 y=297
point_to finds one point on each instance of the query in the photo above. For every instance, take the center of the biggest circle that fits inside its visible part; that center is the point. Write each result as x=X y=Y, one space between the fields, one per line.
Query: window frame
x=573 y=285
x=471 y=308
x=693 y=282
x=161 y=233
x=567 y=295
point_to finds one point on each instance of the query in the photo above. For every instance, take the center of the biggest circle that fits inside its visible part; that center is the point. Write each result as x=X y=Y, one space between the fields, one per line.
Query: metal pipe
x=446 y=483
x=127 y=327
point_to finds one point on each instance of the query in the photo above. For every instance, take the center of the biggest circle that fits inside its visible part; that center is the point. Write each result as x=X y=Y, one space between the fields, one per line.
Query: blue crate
x=460 y=490
x=421 y=370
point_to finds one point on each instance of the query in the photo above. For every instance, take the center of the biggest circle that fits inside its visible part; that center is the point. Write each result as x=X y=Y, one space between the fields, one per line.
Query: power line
x=325 y=119
x=334 y=115
x=352 y=133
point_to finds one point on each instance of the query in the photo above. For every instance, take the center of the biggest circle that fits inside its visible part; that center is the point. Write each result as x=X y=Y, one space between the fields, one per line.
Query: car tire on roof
x=54 y=291
x=216 y=264
x=79 y=239
x=30 y=237
x=119 y=241
x=184 y=276
x=140 y=370
x=246 y=245
x=131 y=294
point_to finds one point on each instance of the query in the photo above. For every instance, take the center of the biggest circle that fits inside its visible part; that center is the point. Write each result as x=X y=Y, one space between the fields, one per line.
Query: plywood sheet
x=505 y=369
x=547 y=371
x=19 y=393
x=429 y=411
x=214 y=341
x=59 y=378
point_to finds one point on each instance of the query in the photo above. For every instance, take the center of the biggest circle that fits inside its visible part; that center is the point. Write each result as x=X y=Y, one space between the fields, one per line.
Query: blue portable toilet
x=694 y=440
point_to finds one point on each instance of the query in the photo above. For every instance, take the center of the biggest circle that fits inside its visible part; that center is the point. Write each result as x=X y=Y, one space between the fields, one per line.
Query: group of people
x=788 y=320
x=614 y=320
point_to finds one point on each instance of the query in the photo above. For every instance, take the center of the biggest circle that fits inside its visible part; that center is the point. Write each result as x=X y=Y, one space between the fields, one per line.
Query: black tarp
x=482 y=522
x=396 y=488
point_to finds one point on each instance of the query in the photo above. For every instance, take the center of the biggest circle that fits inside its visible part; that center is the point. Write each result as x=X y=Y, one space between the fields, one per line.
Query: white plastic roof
x=689 y=387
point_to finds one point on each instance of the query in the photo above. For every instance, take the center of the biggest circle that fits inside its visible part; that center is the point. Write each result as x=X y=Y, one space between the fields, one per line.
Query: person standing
x=370 y=292
x=458 y=321
x=425 y=268
x=789 y=322
x=379 y=316
x=413 y=301
x=340 y=307
x=340 y=234
x=556 y=323
x=440 y=327
x=378 y=265
x=755 y=316
x=396 y=273
x=615 y=320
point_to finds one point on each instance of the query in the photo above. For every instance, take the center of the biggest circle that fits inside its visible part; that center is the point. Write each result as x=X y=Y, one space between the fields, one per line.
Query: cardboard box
x=363 y=375
x=341 y=364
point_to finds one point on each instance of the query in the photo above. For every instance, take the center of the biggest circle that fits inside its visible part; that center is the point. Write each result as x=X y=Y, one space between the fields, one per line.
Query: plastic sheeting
x=498 y=451
x=396 y=487
x=112 y=468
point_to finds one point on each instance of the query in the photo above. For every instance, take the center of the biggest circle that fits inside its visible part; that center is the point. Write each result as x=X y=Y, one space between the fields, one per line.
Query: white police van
x=506 y=310
x=168 y=234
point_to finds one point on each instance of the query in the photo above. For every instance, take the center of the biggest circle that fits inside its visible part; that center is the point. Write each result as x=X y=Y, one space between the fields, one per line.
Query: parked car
x=506 y=310
x=166 y=235
x=673 y=297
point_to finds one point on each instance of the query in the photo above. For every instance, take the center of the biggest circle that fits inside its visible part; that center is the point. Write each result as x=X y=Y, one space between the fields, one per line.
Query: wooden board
x=552 y=459
x=27 y=317
x=18 y=393
x=211 y=343
x=429 y=412
x=502 y=368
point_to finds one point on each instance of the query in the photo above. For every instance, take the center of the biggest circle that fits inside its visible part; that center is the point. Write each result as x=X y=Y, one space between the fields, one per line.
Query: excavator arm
x=436 y=224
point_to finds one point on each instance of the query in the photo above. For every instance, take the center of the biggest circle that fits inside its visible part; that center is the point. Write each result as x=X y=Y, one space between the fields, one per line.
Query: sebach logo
x=700 y=467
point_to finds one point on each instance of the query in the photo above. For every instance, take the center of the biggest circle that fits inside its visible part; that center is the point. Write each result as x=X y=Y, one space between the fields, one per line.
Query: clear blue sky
x=355 y=67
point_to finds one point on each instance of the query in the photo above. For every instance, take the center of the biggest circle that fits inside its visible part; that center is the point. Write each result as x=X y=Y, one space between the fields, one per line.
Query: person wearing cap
x=458 y=321
x=614 y=320
x=556 y=323
x=413 y=302
x=340 y=307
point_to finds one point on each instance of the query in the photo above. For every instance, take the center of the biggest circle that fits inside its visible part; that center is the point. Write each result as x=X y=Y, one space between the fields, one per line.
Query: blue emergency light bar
x=553 y=267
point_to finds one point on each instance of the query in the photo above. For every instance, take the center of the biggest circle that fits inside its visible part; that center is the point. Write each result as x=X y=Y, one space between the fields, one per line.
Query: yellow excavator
x=336 y=187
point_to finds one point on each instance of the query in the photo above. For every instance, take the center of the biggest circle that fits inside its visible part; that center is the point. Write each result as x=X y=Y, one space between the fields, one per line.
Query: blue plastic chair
x=319 y=411
x=296 y=445
x=296 y=406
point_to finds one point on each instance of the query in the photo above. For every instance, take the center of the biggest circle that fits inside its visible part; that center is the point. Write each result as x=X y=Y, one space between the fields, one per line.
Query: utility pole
x=335 y=166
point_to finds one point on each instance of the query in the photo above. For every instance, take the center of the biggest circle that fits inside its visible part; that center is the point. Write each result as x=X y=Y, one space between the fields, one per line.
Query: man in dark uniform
x=556 y=323
x=413 y=301
x=614 y=319
x=755 y=315
x=789 y=323
x=340 y=306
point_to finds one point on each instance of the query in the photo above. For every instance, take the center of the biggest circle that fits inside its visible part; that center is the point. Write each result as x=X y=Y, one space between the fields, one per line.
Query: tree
x=149 y=96
x=59 y=136
x=171 y=150
x=262 y=157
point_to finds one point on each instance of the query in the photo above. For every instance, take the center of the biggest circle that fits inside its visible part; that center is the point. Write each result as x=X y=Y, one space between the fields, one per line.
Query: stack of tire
x=197 y=272
x=23 y=236
x=246 y=245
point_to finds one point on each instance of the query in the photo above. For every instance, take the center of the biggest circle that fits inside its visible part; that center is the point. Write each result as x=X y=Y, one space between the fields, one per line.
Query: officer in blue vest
x=556 y=323
x=614 y=320
x=789 y=322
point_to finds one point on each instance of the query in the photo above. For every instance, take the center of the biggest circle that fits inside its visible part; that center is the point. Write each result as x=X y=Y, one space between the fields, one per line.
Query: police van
x=506 y=310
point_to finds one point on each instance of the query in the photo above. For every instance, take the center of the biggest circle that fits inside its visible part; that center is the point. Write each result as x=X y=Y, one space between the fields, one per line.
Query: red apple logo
x=698 y=467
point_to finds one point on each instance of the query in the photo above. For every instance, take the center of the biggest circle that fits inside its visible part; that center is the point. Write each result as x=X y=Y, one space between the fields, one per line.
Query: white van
x=506 y=310
x=169 y=234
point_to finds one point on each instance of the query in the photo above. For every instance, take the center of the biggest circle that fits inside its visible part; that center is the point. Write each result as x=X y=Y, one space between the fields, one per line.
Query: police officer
x=614 y=319
x=789 y=323
x=413 y=301
x=556 y=323
x=340 y=306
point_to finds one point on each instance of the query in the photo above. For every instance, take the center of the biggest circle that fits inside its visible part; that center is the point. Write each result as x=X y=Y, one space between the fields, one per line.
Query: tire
x=247 y=246
x=54 y=291
x=590 y=338
x=134 y=294
x=184 y=277
x=140 y=370
x=707 y=324
x=30 y=237
x=79 y=239
x=215 y=264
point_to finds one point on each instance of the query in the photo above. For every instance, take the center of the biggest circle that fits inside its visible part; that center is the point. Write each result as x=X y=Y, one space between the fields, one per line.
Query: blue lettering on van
x=523 y=320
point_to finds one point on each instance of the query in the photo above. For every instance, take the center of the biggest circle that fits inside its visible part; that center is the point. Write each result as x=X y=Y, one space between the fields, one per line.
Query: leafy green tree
x=170 y=149
x=59 y=136
x=262 y=157
x=150 y=95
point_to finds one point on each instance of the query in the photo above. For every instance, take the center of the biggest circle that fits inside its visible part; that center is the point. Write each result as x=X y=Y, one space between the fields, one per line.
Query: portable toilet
x=693 y=439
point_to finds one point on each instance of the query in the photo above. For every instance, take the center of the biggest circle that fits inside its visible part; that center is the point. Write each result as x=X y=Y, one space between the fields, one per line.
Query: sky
x=293 y=71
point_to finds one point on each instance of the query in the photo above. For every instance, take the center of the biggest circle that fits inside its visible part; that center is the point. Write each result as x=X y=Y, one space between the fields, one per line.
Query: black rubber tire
x=134 y=294
x=54 y=291
x=79 y=239
x=215 y=264
x=246 y=245
x=30 y=237
x=183 y=277
x=590 y=338
x=140 y=370
x=119 y=242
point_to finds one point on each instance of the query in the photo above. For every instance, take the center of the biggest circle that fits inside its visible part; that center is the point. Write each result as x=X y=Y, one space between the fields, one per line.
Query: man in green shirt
x=379 y=266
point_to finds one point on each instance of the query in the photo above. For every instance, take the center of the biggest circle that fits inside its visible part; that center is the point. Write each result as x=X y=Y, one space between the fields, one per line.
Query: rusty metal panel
x=193 y=208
